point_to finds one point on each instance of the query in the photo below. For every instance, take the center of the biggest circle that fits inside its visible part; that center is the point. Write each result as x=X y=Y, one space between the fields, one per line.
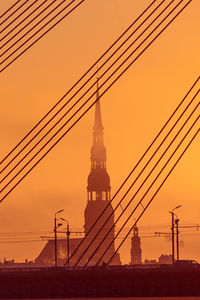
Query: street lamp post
x=55 y=232
x=55 y=241
x=172 y=228
x=172 y=213
x=177 y=239
x=68 y=234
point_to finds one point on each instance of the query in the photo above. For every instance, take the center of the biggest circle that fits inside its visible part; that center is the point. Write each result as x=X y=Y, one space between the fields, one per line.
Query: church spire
x=98 y=179
x=98 y=150
x=98 y=120
x=98 y=192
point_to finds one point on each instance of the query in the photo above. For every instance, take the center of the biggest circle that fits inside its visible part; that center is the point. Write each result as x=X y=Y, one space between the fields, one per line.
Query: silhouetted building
x=98 y=195
x=150 y=261
x=165 y=259
x=98 y=198
x=47 y=255
x=136 y=251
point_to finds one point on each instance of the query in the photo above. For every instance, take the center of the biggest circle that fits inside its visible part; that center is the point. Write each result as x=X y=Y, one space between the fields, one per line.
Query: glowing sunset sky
x=133 y=111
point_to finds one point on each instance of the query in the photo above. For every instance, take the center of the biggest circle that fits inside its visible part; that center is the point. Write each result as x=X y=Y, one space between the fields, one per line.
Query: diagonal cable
x=186 y=148
x=116 y=79
x=83 y=85
x=134 y=182
x=10 y=8
x=85 y=93
x=141 y=187
x=35 y=33
x=138 y=163
x=13 y=12
x=41 y=35
x=87 y=99
x=22 y=21
x=135 y=194
x=7 y=26
x=149 y=188
x=81 y=78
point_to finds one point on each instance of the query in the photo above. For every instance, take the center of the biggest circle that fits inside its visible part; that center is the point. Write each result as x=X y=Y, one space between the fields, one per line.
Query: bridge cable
x=195 y=135
x=107 y=219
x=14 y=11
x=84 y=75
x=138 y=163
x=96 y=100
x=72 y=98
x=49 y=29
x=23 y=20
x=17 y=17
x=40 y=21
x=63 y=1
x=136 y=193
x=102 y=226
x=10 y=8
x=135 y=167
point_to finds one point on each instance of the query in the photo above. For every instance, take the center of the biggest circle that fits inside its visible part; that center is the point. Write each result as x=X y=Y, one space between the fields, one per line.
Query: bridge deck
x=163 y=281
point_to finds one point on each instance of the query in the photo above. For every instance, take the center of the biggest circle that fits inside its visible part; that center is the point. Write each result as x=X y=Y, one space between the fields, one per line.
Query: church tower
x=98 y=198
x=136 y=251
x=98 y=192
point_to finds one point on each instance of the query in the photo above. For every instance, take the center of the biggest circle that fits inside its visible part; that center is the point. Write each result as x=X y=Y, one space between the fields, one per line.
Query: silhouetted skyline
x=133 y=112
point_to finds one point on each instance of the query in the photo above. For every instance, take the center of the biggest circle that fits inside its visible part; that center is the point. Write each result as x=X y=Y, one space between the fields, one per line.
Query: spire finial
x=98 y=121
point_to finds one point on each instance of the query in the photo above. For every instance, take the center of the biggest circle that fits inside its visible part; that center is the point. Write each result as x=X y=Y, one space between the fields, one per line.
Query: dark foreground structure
x=162 y=281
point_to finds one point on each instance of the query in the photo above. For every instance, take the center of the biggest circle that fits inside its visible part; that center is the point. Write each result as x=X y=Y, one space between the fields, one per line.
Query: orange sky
x=133 y=112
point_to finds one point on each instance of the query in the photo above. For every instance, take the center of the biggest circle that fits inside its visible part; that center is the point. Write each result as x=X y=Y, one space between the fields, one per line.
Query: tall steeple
x=98 y=179
x=98 y=198
x=98 y=193
x=98 y=127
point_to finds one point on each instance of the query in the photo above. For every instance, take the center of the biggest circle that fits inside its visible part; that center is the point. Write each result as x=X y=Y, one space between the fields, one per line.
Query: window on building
x=93 y=195
x=98 y=195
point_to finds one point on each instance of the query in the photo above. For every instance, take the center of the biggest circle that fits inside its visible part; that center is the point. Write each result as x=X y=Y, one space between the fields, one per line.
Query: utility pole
x=55 y=236
x=172 y=228
x=68 y=234
x=172 y=213
x=55 y=232
x=177 y=238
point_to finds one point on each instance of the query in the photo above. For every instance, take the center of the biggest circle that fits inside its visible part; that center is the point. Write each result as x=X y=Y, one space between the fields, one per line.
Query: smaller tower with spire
x=136 y=251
